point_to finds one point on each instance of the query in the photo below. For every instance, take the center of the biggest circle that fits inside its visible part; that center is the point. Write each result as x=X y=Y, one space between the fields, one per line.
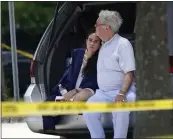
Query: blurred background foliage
x=31 y=20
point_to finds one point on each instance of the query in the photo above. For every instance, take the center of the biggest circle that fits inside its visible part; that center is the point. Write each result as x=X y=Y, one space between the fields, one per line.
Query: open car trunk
x=72 y=35
x=73 y=21
x=75 y=31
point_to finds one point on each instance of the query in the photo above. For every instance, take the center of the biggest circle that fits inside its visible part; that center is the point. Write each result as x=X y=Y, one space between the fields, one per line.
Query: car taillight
x=171 y=63
x=32 y=69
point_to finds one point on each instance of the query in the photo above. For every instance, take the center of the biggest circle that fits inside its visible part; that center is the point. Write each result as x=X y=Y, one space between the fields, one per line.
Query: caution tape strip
x=26 y=54
x=15 y=109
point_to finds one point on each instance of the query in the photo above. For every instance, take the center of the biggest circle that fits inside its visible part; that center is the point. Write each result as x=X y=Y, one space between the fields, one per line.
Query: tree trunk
x=153 y=79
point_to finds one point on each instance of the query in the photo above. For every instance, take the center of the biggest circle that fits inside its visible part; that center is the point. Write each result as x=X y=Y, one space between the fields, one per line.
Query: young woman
x=80 y=79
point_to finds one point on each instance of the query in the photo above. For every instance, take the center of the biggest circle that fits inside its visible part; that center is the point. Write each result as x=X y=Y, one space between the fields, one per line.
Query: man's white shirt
x=116 y=58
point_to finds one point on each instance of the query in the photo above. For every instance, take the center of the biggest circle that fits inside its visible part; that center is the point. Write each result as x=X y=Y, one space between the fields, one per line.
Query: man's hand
x=69 y=95
x=120 y=98
x=128 y=79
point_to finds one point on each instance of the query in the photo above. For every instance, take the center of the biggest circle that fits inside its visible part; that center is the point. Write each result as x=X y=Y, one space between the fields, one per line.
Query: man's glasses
x=97 y=25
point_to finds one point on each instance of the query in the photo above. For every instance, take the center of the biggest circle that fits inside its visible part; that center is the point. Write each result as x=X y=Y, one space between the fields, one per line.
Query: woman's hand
x=69 y=95
x=79 y=89
x=87 y=55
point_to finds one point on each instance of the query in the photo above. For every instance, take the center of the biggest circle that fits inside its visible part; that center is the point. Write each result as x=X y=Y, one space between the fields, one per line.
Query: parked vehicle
x=67 y=31
x=23 y=71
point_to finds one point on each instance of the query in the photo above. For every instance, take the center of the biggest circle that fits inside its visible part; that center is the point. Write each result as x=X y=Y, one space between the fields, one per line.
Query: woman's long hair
x=91 y=65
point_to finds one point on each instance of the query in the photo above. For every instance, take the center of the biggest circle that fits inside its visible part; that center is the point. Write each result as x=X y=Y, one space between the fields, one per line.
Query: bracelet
x=121 y=94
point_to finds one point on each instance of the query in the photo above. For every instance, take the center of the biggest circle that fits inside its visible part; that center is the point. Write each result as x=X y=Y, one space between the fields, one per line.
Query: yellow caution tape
x=12 y=109
x=26 y=54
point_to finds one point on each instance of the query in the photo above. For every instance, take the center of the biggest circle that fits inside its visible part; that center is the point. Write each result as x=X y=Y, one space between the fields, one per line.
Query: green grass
x=12 y=99
x=165 y=136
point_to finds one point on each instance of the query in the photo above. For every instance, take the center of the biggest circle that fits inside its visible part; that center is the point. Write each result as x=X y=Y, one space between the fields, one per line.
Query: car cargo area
x=74 y=37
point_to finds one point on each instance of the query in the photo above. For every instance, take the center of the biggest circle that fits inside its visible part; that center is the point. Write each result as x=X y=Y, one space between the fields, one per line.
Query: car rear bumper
x=82 y=133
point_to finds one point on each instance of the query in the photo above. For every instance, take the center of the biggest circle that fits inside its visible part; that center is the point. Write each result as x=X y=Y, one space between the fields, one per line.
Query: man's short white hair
x=111 y=18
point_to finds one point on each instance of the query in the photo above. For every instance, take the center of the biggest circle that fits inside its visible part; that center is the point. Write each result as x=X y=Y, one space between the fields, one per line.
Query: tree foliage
x=31 y=17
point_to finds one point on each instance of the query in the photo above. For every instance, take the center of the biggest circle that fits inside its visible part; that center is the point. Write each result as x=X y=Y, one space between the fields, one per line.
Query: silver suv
x=67 y=31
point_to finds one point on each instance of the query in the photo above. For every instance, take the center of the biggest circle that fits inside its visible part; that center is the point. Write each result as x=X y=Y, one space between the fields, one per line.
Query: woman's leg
x=49 y=121
x=83 y=95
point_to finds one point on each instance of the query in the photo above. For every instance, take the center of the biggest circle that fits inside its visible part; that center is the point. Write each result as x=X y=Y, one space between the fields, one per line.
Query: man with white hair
x=115 y=75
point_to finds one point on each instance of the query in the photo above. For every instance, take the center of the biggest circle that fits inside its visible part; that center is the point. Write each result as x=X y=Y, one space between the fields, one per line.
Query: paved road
x=20 y=130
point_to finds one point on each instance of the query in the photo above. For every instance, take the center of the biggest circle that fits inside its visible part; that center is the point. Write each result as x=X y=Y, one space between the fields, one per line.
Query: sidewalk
x=21 y=130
